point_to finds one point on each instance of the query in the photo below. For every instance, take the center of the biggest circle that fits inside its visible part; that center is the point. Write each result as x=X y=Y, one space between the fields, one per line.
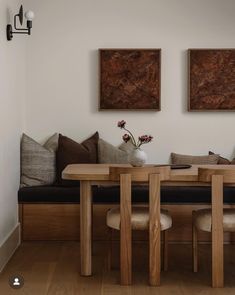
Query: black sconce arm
x=29 y=23
x=15 y=24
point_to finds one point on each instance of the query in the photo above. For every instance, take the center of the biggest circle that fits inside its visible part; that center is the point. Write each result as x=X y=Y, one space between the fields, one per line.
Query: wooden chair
x=214 y=220
x=127 y=217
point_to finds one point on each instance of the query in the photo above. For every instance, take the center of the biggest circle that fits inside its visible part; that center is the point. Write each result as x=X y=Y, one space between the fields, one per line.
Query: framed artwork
x=130 y=79
x=211 y=80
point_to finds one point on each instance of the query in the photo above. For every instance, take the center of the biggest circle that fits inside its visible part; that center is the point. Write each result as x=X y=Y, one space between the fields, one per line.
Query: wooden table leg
x=154 y=230
x=217 y=232
x=125 y=231
x=86 y=228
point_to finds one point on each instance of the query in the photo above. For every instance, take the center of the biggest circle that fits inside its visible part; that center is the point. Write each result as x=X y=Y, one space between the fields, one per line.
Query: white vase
x=137 y=158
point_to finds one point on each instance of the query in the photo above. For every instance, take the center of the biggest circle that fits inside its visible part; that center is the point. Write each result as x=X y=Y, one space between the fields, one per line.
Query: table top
x=100 y=172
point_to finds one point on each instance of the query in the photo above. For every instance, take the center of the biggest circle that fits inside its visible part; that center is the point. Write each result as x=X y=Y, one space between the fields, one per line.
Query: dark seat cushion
x=169 y=194
x=49 y=194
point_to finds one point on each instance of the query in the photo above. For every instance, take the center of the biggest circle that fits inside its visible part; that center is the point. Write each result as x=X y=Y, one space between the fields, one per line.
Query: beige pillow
x=221 y=161
x=38 y=162
x=109 y=154
x=52 y=143
x=197 y=160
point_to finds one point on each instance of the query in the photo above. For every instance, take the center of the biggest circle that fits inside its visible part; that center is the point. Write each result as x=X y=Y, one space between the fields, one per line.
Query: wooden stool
x=127 y=218
x=139 y=221
x=214 y=220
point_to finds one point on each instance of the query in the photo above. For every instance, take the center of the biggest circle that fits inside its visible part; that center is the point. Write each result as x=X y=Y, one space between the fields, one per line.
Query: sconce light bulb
x=29 y=15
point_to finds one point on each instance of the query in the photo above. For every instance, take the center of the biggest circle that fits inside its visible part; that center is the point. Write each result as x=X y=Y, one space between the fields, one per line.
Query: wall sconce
x=29 y=15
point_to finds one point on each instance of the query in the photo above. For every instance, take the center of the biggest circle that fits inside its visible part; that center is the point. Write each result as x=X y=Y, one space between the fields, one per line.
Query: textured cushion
x=107 y=153
x=202 y=220
x=38 y=165
x=222 y=161
x=127 y=147
x=139 y=218
x=71 y=152
x=197 y=160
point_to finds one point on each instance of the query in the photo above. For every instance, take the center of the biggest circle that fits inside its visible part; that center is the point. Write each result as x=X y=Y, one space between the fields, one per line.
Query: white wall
x=12 y=93
x=62 y=67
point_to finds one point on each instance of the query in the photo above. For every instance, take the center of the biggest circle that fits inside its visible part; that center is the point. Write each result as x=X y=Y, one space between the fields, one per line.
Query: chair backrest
x=217 y=177
x=206 y=174
x=139 y=174
x=153 y=175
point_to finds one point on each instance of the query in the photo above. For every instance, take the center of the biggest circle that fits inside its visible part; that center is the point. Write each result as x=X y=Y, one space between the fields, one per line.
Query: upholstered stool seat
x=202 y=220
x=139 y=218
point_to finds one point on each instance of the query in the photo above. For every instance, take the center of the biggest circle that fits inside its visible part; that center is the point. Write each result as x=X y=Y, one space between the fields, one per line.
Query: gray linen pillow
x=38 y=162
x=197 y=160
x=109 y=154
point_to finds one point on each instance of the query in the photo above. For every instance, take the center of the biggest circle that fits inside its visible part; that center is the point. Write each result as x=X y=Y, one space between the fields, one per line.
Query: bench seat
x=110 y=194
x=52 y=212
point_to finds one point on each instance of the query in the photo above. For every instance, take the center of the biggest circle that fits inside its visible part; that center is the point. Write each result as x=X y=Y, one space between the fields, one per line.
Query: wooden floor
x=52 y=268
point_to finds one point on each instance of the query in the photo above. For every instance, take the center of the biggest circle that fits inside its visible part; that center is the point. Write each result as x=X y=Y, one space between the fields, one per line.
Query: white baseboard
x=8 y=248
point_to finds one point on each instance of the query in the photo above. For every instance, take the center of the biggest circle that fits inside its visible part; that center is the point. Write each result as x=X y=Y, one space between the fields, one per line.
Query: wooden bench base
x=50 y=222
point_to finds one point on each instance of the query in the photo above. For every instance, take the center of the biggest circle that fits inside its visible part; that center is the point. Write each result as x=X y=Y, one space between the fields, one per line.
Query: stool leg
x=165 y=250
x=109 y=258
x=194 y=245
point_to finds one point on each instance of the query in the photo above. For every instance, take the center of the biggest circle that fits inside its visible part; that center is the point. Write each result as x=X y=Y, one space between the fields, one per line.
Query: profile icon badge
x=16 y=282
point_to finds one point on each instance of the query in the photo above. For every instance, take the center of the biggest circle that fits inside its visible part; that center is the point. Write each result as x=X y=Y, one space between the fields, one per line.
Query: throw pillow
x=71 y=152
x=38 y=164
x=127 y=147
x=197 y=160
x=52 y=143
x=222 y=161
x=109 y=154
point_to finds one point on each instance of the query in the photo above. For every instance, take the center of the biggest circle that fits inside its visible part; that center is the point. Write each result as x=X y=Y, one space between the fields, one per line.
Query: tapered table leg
x=154 y=230
x=217 y=232
x=125 y=232
x=86 y=228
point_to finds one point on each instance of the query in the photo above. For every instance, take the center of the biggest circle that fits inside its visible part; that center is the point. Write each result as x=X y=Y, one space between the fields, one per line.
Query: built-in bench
x=52 y=212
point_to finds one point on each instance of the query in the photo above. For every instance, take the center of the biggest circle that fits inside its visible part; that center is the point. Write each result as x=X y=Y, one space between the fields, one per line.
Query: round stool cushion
x=139 y=218
x=202 y=219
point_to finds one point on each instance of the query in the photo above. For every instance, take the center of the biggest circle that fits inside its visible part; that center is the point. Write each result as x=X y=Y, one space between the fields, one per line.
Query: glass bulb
x=29 y=15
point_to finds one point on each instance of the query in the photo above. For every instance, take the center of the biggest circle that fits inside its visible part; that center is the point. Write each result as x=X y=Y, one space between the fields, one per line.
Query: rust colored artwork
x=212 y=80
x=130 y=79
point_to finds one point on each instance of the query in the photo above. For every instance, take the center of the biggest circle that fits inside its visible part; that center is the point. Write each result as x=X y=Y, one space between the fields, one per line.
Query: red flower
x=126 y=137
x=150 y=138
x=129 y=136
x=121 y=124
x=145 y=139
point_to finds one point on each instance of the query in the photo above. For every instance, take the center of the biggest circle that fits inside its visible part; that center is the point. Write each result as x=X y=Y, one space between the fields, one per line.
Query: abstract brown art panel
x=130 y=79
x=211 y=80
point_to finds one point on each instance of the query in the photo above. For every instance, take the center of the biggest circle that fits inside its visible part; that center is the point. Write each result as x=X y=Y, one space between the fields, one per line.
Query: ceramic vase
x=137 y=158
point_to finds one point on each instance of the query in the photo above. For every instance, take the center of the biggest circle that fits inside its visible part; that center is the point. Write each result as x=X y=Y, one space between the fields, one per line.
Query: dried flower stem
x=132 y=137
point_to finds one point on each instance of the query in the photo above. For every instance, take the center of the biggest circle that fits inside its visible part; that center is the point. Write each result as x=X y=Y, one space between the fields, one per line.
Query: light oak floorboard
x=53 y=268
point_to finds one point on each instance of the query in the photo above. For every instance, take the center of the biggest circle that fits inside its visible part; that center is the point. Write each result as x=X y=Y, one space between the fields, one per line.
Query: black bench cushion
x=169 y=194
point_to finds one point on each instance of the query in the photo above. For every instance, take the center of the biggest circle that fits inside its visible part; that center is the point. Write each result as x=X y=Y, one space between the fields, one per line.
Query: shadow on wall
x=94 y=80
x=233 y=154
x=184 y=81
x=8 y=15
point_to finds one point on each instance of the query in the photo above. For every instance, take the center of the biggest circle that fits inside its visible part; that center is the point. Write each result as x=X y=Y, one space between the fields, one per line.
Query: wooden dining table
x=98 y=174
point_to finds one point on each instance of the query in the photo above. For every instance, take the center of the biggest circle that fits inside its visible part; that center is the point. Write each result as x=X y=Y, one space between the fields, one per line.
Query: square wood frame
x=217 y=80
x=158 y=79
